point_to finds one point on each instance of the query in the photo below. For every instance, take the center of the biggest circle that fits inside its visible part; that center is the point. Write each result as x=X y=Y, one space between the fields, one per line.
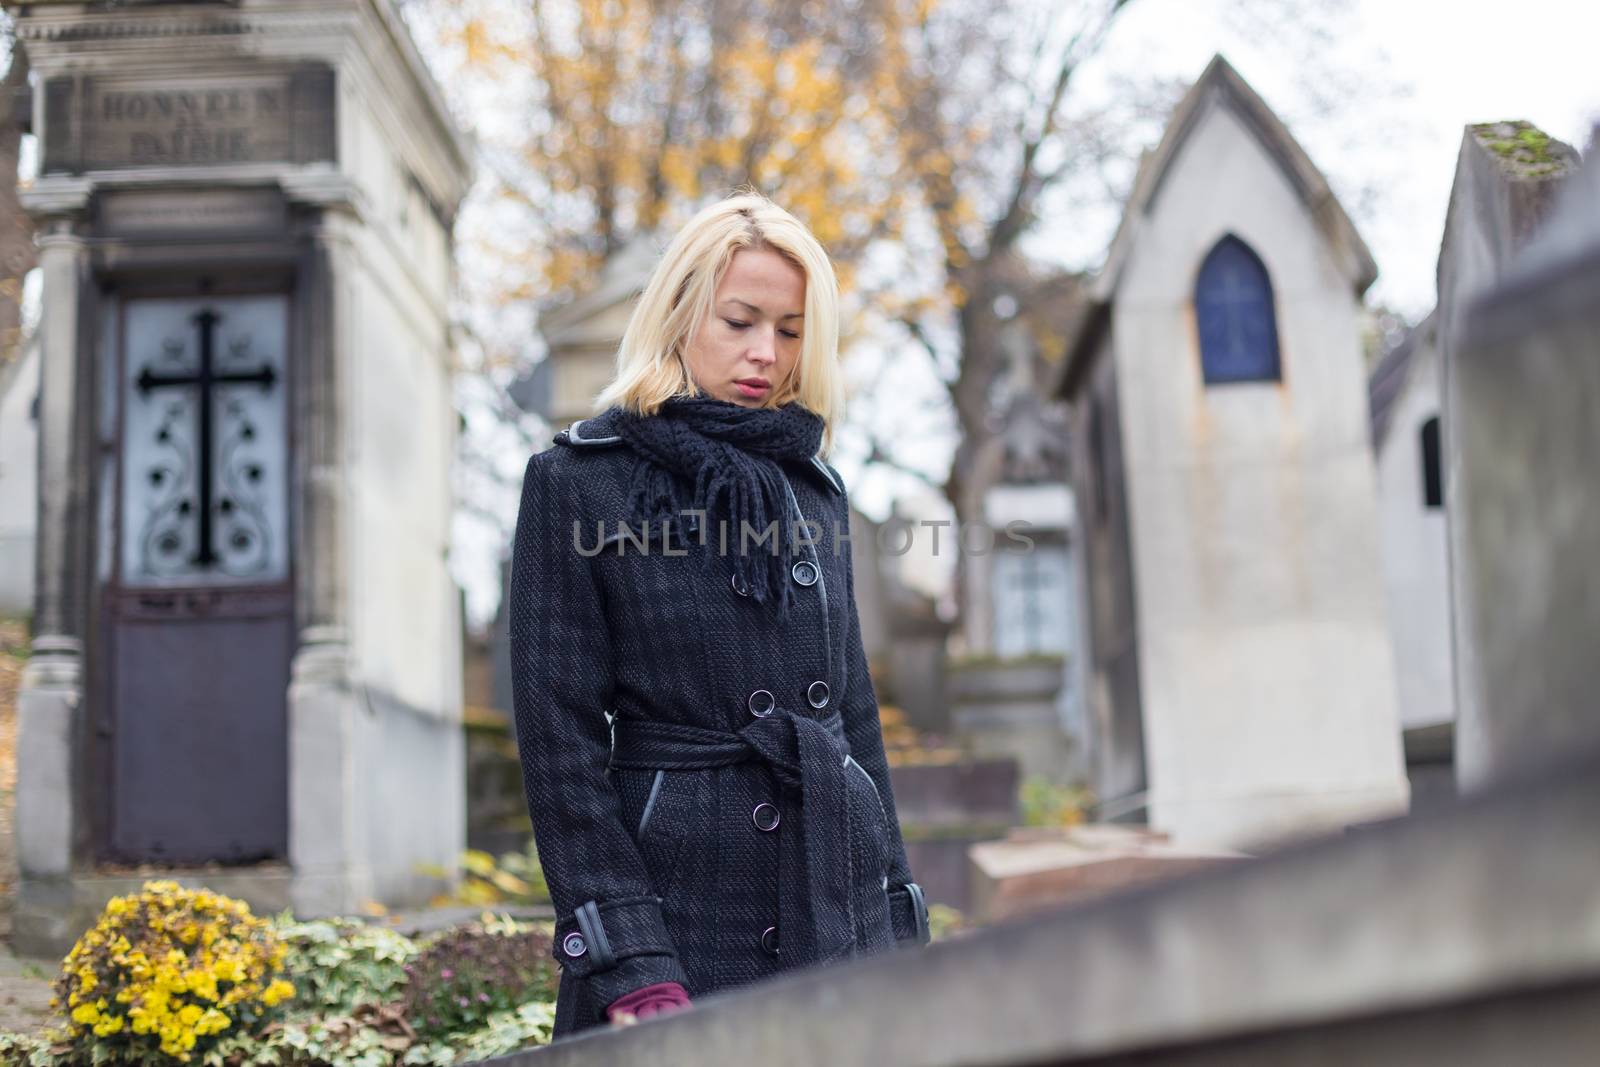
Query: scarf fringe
x=730 y=453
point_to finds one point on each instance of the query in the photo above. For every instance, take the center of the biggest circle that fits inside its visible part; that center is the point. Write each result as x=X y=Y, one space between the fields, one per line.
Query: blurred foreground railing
x=1468 y=937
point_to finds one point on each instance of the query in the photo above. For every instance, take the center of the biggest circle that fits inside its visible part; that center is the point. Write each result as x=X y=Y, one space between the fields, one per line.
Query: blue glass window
x=1233 y=308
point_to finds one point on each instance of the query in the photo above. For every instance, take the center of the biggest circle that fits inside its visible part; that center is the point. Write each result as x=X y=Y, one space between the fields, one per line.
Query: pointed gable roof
x=1220 y=86
x=1388 y=381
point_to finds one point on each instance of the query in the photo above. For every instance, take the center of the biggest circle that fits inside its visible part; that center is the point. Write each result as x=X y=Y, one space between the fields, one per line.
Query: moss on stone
x=1522 y=145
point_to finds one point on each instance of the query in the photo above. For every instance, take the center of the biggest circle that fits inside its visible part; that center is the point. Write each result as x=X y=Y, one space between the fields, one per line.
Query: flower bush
x=470 y=973
x=165 y=971
x=339 y=964
x=172 y=976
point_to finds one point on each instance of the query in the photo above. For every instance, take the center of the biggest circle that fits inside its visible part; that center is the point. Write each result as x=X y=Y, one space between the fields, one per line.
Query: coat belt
x=816 y=914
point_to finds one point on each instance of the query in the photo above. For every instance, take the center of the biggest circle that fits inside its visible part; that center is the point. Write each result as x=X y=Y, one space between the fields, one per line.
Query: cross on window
x=207 y=378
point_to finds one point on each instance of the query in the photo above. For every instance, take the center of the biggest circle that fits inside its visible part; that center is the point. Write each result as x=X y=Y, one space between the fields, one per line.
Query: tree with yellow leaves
x=638 y=111
x=866 y=118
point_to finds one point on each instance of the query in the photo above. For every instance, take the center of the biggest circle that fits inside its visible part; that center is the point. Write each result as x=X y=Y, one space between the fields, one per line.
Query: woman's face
x=750 y=342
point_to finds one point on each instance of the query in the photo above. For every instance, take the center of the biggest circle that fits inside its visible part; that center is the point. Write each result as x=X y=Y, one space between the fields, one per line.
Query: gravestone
x=1036 y=868
x=945 y=809
x=1525 y=385
x=1506 y=178
x=247 y=649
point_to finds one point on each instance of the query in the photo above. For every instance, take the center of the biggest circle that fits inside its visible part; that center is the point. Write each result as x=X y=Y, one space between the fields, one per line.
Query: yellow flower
x=276 y=992
x=85 y=1013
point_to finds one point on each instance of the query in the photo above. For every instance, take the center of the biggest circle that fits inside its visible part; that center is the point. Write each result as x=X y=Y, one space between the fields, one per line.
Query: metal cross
x=206 y=378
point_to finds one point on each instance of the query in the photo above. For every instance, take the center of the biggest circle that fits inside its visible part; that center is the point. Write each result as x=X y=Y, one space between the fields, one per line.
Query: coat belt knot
x=815 y=911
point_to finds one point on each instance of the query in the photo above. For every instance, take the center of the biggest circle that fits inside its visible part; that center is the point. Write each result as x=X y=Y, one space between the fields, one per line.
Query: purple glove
x=650 y=1000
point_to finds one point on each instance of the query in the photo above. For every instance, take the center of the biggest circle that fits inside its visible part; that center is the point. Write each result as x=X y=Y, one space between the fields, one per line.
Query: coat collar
x=599 y=431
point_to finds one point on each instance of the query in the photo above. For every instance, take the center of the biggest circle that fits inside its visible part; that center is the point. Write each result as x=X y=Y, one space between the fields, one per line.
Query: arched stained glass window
x=1233 y=309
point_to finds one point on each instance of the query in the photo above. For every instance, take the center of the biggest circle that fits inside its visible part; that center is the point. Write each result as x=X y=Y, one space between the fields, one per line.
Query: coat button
x=761 y=703
x=817 y=694
x=805 y=572
x=765 y=816
x=769 y=940
x=740 y=586
x=573 y=945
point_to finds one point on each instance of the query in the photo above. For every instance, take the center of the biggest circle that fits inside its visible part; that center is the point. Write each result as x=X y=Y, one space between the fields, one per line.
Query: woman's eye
x=790 y=333
x=736 y=325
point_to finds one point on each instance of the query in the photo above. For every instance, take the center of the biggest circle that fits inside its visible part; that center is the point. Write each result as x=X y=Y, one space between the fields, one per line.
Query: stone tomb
x=1507 y=177
x=1525 y=524
x=1243 y=682
x=246 y=646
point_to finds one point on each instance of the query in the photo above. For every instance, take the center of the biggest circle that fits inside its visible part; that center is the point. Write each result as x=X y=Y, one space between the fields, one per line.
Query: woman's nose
x=765 y=349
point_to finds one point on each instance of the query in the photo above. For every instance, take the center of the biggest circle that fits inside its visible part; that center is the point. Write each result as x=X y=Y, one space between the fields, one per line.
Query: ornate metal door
x=200 y=604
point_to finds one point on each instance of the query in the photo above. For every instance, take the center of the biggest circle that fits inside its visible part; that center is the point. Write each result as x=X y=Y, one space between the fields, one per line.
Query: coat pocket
x=867 y=803
x=657 y=807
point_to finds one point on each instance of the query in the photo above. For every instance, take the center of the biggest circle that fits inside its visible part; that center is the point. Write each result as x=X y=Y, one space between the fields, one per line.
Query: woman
x=735 y=820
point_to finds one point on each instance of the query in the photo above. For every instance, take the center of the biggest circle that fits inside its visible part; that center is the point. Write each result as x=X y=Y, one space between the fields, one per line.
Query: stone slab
x=1485 y=915
x=1032 y=870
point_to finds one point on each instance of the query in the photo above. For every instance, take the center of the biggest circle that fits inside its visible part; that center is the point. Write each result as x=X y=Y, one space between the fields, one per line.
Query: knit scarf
x=730 y=454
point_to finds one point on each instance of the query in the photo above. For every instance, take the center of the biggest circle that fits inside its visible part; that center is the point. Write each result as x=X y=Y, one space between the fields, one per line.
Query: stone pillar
x=1506 y=178
x=327 y=819
x=62 y=259
x=1526 y=528
x=51 y=690
x=51 y=684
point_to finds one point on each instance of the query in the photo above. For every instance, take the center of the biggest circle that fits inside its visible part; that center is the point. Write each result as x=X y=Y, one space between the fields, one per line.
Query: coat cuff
x=623 y=934
x=659 y=993
x=636 y=972
x=908 y=914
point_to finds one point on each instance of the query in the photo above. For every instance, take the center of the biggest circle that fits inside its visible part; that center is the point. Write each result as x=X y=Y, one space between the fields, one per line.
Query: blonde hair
x=678 y=297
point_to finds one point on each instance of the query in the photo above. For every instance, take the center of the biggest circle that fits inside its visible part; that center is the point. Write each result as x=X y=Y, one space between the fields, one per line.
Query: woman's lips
x=752 y=388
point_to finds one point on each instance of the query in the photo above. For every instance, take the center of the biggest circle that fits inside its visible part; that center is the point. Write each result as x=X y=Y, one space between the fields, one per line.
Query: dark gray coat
x=738 y=820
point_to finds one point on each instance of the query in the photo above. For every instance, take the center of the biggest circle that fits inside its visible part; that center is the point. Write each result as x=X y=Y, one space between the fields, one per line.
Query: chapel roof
x=1387 y=382
x=1220 y=85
